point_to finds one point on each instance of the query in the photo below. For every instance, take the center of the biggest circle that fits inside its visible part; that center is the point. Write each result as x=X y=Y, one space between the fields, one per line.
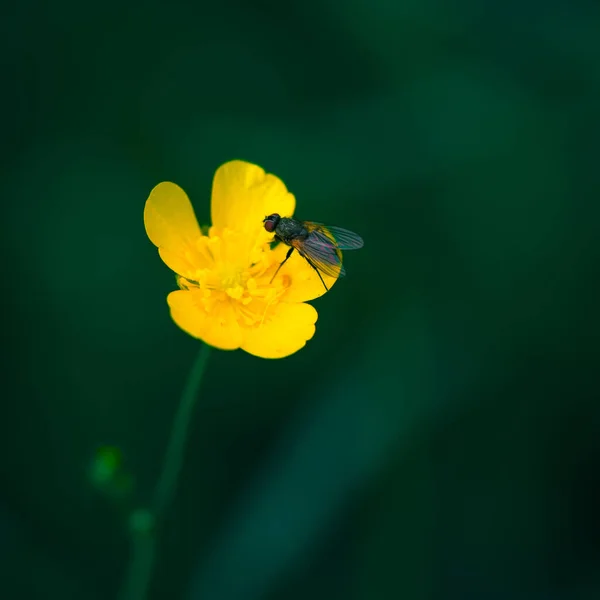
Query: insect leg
x=289 y=253
x=310 y=262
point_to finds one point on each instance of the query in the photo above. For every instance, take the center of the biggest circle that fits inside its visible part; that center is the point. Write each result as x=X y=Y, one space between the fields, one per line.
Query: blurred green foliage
x=438 y=438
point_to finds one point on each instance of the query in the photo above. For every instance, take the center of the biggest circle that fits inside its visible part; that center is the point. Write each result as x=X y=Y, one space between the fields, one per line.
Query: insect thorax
x=289 y=229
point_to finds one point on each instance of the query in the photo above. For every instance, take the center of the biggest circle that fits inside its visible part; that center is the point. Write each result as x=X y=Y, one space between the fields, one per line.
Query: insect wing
x=322 y=252
x=343 y=239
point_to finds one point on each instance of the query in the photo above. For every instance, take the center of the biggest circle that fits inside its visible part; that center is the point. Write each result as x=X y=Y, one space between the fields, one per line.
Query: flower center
x=236 y=275
x=230 y=277
x=232 y=281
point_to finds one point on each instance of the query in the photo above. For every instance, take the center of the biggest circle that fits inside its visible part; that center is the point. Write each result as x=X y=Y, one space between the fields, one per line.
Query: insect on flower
x=227 y=294
x=320 y=245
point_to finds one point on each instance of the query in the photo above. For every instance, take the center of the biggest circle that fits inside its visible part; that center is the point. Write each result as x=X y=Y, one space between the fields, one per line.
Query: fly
x=320 y=245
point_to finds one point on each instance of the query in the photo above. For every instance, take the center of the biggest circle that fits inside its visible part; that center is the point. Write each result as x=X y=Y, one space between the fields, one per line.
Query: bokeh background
x=439 y=436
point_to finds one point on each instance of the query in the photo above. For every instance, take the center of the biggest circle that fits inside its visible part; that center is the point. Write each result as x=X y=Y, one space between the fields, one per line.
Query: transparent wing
x=344 y=239
x=322 y=252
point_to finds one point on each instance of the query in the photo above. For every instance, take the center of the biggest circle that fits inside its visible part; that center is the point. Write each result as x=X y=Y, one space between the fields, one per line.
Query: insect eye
x=271 y=222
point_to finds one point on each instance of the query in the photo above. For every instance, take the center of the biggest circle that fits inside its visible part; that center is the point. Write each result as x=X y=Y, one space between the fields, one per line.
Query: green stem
x=144 y=533
x=167 y=483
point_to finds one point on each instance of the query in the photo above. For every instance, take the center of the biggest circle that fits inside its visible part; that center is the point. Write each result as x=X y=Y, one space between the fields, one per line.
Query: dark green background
x=439 y=436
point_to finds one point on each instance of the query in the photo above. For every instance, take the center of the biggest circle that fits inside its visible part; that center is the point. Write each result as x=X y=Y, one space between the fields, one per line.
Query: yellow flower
x=226 y=298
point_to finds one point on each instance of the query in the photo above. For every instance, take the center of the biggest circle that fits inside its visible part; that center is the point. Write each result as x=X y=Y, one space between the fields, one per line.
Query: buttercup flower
x=226 y=298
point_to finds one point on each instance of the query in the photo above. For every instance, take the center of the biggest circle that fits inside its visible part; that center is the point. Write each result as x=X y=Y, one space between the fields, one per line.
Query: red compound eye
x=271 y=222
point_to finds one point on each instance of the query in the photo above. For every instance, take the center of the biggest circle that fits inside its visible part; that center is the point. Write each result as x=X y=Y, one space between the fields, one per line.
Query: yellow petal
x=218 y=327
x=285 y=330
x=304 y=282
x=243 y=195
x=172 y=226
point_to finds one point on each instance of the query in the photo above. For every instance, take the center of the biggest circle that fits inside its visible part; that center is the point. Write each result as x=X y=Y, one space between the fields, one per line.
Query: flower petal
x=286 y=329
x=243 y=195
x=304 y=281
x=218 y=328
x=172 y=226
